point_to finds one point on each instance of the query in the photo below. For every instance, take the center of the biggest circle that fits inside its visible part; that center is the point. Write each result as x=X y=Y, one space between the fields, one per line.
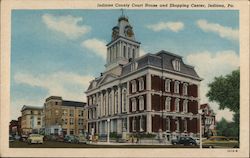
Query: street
x=54 y=144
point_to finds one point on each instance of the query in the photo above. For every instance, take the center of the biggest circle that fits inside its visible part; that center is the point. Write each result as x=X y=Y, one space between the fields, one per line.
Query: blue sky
x=57 y=52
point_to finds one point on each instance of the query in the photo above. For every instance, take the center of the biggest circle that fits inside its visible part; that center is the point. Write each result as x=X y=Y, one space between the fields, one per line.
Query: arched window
x=124 y=94
x=141 y=103
x=124 y=51
x=167 y=124
x=133 y=100
x=141 y=84
x=176 y=86
x=133 y=53
x=167 y=103
x=177 y=125
x=185 y=125
x=133 y=124
x=185 y=106
x=134 y=87
x=185 y=86
x=167 y=85
x=177 y=105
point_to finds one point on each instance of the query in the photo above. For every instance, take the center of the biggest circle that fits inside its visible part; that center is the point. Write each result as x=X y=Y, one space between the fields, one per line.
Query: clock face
x=129 y=32
x=115 y=34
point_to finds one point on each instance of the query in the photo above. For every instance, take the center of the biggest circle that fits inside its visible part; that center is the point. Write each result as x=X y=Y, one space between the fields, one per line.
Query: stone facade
x=31 y=119
x=64 y=117
x=152 y=93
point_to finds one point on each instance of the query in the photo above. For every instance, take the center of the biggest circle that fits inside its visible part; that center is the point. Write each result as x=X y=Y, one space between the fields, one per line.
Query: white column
x=128 y=127
x=119 y=126
x=148 y=87
x=149 y=123
x=127 y=99
x=101 y=104
x=112 y=102
x=119 y=99
x=108 y=55
x=107 y=103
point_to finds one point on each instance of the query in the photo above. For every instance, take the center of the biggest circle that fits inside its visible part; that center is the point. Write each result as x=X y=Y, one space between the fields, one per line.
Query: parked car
x=197 y=140
x=71 y=139
x=11 y=138
x=184 y=141
x=24 y=138
x=35 y=138
x=17 y=137
x=82 y=139
x=220 y=142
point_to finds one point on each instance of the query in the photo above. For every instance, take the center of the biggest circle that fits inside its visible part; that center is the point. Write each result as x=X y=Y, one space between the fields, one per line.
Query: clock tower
x=123 y=47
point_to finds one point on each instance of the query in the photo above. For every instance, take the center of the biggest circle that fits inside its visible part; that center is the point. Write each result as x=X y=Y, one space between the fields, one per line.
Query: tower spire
x=122 y=12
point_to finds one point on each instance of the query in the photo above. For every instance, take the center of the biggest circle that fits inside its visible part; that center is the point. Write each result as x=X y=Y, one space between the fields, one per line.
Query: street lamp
x=108 y=120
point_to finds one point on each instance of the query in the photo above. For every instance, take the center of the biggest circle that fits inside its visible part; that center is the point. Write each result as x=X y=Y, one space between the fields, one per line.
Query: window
x=176 y=65
x=177 y=102
x=134 y=66
x=71 y=113
x=124 y=99
x=185 y=125
x=177 y=125
x=81 y=113
x=90 y=114
x=176 y=86
x=124 y=124
x=94 y=100
x=133 y=124
x=142 y=124
x=134 y=88
x=38 y=123
x=185 y=106
x=133 y=53
x=168 y=104
x=141 y=84
x=141 y=103
x=80 y=121
x=167 y=124
x=65 y=112
x=167 y=85
x=185 y=86
x=65 y=121
x=57 y=112
x=71 y=121
x=133 y=104
x=71 y=132
x=124 y=51
x=129 y=53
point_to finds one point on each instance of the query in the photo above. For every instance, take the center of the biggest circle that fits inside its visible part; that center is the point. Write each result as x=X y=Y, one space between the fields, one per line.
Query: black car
x=184 y=141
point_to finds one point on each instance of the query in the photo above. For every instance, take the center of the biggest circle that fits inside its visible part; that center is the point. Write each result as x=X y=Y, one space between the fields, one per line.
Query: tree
x=226 y=92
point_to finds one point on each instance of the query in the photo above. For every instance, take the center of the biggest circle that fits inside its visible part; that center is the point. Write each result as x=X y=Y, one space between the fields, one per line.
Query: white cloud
x=209 y=65
x=68 y=25
x=96 y=46
x=222 y=31
x=69 y=85
x=173 y=26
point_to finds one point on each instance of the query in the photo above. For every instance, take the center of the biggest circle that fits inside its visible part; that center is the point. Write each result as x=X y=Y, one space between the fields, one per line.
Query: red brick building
x=151 y=93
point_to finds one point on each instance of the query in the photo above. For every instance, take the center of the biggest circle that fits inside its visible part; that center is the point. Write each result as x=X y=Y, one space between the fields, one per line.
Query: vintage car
x=71 y=139
x=184 y=141
x=35 y=138
x=219 y=142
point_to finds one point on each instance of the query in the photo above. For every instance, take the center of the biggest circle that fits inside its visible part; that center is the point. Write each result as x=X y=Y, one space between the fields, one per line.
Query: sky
x=58 y=52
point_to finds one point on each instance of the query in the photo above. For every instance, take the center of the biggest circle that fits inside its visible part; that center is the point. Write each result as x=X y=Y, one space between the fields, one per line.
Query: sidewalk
x=114 y=143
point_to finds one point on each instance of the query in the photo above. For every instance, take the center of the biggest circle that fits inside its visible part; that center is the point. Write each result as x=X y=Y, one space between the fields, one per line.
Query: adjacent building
x=208 y=122
x=13 y=127
x=31 y=119
x=63 y=117
x=147 y=94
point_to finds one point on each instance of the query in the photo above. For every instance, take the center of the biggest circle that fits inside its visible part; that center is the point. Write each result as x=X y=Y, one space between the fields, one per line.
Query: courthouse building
x=151 y=93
